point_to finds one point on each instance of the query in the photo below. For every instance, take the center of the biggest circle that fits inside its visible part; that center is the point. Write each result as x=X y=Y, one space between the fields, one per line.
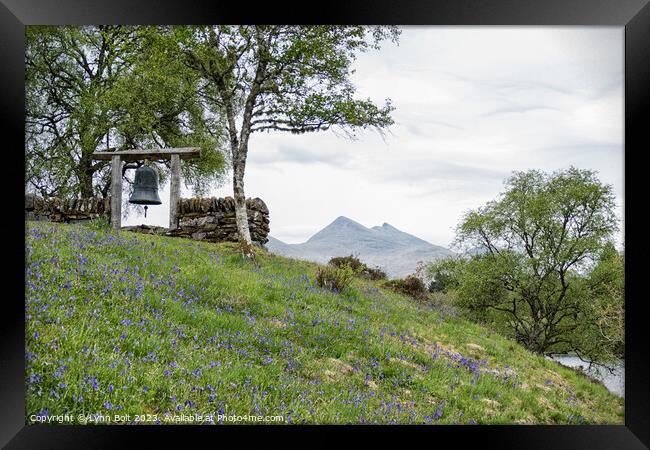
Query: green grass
x=123 y=323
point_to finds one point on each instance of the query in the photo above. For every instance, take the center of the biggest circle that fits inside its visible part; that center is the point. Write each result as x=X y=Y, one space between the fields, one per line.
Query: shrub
x=410 y=286
x=354 y=263
x=436 y=286
x=445 y=273
x=374 y=273
x=358 y=268
x=334 y=278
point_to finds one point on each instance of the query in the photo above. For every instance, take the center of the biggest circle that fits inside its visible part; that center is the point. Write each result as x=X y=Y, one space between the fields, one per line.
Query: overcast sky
x=473 y=104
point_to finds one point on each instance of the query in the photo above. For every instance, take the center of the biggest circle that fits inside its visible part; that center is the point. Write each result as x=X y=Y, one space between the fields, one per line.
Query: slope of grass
x=121 y=323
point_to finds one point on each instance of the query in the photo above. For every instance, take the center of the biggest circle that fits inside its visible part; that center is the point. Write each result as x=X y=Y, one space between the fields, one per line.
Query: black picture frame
x=634 y=15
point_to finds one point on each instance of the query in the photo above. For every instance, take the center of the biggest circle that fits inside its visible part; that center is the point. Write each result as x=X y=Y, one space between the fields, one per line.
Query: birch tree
x=293 y=79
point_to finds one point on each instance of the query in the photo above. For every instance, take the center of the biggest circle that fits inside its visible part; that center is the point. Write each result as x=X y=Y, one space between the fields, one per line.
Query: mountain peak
x=339 y=227
x=343 y=219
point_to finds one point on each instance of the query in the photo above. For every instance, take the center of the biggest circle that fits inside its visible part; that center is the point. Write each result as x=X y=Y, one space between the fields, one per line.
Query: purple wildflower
x=438 y=413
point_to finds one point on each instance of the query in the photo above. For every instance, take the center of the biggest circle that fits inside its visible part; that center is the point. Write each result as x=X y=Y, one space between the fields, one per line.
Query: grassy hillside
x=137 y=324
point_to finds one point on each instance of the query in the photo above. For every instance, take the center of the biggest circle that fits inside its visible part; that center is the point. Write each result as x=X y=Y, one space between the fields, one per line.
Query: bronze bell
x=145 y=187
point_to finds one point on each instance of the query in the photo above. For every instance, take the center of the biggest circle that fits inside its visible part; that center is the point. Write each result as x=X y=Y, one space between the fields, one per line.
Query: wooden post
x=116 y=192
x=174 y=190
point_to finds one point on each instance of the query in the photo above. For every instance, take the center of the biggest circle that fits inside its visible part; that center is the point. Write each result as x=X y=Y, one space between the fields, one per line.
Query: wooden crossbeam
x=153 y=154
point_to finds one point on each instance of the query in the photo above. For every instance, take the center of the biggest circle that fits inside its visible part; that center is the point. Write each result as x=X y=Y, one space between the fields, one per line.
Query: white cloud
x=473 y=105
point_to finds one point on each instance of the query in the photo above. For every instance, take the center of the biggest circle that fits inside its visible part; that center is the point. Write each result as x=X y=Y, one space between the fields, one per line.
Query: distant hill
x=394 y=251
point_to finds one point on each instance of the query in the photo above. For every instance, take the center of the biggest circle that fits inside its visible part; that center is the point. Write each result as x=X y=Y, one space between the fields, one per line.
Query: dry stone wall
x=213 y=219
x=204 y=219
x=56 y=209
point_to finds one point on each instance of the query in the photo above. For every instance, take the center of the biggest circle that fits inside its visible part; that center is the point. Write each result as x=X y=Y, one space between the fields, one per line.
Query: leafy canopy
x=286 y=78
x=96 y=87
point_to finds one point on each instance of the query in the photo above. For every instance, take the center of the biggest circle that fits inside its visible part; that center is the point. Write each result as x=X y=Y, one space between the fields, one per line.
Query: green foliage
x=359 y=268
x=540 y=238
x=159 y=102
x=90 y=88
x=445 y=274
x=354 y=263
x=607 y=284
x=410 y=286
x=300 y=74
x=335 y=279
x=603 y=316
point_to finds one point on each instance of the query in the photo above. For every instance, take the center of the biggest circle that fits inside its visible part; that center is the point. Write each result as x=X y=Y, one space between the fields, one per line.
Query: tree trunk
x=85 y=176
x=239 y=158
x=241 y=215
x=535 y=343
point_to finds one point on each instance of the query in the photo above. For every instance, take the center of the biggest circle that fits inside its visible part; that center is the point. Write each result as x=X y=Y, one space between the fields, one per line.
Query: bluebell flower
x=438 y=413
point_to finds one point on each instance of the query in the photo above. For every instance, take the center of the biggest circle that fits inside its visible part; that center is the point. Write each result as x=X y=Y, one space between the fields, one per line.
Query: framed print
x=499 y=143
